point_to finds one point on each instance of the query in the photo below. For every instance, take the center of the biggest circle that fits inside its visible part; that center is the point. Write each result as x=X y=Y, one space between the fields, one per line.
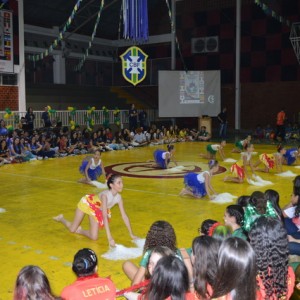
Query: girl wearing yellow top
x=239 y=169
x=97 y=207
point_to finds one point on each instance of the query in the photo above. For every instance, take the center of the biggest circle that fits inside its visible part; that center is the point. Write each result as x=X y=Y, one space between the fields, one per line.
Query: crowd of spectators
x=245 y=257
x=26 y=143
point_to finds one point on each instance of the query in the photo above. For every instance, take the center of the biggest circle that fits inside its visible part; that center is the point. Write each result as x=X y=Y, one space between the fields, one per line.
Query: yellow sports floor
x=32 y=193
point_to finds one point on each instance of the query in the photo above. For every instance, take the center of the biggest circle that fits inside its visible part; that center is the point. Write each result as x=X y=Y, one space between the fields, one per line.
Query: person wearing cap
x=88 y=284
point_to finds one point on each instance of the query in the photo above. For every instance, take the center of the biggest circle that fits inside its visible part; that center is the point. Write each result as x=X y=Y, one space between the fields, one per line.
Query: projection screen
x=189 y=94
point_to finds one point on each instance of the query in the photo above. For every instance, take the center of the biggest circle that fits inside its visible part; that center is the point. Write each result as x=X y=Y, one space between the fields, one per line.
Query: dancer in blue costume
x=162 y=158
x=92 y=168
x=199 y=185
x=291 y=155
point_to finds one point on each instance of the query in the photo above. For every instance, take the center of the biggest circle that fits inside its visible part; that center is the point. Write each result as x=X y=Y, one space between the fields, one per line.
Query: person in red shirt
x=88 y=284
x=280 y=129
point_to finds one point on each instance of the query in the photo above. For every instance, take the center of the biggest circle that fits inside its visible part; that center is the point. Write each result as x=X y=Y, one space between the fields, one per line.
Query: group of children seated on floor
x=246 y=258
x=21 y=145
x=268 y=133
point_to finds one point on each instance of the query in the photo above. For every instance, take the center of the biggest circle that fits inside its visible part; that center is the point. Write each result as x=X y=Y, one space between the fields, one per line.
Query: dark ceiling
x=50 y=13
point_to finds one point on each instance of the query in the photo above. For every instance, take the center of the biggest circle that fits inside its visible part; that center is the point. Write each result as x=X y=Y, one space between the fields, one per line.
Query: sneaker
x=46 y=157
x=34 y=158
x=39 y=157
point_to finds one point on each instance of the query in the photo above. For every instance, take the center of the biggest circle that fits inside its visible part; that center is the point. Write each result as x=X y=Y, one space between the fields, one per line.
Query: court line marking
x=74 y=182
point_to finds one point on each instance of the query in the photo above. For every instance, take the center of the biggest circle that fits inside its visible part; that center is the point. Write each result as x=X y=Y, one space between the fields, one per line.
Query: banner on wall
x=6 y=42
x=134 y=65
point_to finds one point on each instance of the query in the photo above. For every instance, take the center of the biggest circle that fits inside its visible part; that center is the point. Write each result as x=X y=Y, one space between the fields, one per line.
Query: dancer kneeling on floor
x=162 y=158
x=92 y=168
x=97 y=207
x=199 y=185
x=239 y=169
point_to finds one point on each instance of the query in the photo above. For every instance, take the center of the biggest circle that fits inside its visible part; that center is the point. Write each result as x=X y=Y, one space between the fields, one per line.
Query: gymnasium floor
x=32 y=193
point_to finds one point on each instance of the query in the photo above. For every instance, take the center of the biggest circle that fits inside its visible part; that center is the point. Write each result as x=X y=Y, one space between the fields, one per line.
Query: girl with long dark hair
x=236 y=271
x=268 y=239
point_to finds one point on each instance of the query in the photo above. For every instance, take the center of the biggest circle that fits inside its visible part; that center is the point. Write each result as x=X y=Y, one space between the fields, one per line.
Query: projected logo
x=192 y=87
x=149 y=170
x=134 y=65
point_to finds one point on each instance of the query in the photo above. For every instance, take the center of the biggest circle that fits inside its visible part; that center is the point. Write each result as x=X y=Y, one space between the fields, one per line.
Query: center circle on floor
x=148 y=170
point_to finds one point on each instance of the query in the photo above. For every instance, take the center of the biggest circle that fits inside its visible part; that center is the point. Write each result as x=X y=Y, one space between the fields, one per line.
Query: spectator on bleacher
x=88 y=284
x=133 y=117
x=32 y=283
x=46 y=118
x=30 y=117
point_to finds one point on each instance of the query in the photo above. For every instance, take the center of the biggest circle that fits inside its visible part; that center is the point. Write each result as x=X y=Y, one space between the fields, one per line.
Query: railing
x=80 y=117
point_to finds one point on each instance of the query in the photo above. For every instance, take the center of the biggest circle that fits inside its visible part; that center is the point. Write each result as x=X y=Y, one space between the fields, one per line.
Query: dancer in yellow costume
x=239 y=169
x=271 y=160
x=97 y=207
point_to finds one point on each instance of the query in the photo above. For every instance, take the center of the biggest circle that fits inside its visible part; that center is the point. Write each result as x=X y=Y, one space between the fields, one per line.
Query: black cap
x=85 y=261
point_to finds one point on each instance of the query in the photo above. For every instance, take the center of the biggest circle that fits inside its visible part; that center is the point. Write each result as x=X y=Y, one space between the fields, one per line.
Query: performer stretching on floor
x=97 y=207
x=92 y=168
x=212 y=150
x=199 y=185
x=162 y=158
x=239 y=169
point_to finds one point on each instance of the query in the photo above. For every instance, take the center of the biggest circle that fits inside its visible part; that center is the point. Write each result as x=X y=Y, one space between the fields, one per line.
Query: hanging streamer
x=40 y=56
x=86 y=54
x=268 y=11
x=135 y=20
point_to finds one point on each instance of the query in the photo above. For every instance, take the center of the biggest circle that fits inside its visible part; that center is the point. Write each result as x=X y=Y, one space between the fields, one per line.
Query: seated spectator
x=207 y=227
x=275 y=279
x=157 y=253
x=4 y=153
x=139 y=138
x=169 y=280
x=17 y=151
x=161 y=233
x=236 y=272
x=203 y=134
x=258 y=133
x=205 y=261
x=234 y=218
x=88 y=284
x=32 y=283
x=269 y=132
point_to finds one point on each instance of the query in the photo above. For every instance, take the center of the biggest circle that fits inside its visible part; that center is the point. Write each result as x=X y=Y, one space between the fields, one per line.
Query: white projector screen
x=189 y=94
